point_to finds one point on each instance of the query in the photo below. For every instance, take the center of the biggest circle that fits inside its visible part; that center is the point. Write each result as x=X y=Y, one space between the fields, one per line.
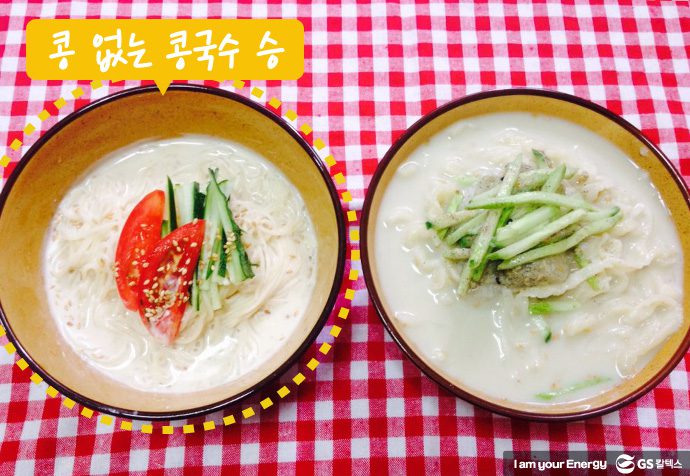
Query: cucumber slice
x=219 y=202
x=169 y=213
x=185 y=199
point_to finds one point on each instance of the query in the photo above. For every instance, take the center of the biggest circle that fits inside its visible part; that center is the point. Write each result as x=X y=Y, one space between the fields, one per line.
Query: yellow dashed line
x=21 y=363
x=4 y=162
x=167 y=429
x=354 y=235
x=2 y=331
x=238 y=84
x=319 y=144
x=306 y=128
x=16 y=144
x=275 y=103
x=35 y=378
x=60 y=103
x=349 y=294
x=351 y=215
x=257 y=92
x=343 y=313
x=126 y=425
x=335 y=331
x=291 y=115
x=188 y=429
x=68 y=402
x=52 y=392
x=339 y=178
x=299 y=378
x=355 y=255
x=77 y=92
x=86 y=412
x=147 y=429
x=266 y=402
x=229 y=420
x=354 y=274
x=209 y=425
x=43 y=115
x=106 y=420
x=283 y=391
x=96 y=84
x=9 y=347
x=248 y=412
x=325 y=348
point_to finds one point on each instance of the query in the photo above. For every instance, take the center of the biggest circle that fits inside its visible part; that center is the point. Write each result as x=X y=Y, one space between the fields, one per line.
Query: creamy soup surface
x=213 y=347
x=486 y=340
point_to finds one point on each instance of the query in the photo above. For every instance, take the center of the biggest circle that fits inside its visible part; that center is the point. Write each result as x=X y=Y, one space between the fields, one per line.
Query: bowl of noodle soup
x=65 y=205
x=541 y=242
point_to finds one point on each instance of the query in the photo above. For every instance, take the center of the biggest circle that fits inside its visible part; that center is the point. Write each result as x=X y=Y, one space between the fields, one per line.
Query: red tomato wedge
x=165 y=279
x=141 y=231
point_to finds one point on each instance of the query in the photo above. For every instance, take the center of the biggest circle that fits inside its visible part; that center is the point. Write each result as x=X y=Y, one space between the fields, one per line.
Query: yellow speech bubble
x=164 y=50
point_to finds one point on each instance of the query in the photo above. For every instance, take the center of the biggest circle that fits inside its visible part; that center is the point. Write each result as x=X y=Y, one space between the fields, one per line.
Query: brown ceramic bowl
x=57 y=161
x=597 y=119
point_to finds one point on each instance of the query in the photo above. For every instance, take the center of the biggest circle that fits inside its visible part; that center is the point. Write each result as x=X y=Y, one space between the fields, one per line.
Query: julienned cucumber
x=185 y=200
x=169 y=213
x=239 y=261
x=223 y=258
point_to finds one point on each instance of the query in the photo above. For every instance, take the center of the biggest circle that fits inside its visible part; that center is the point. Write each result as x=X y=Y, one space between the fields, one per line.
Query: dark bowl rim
x=398 y=338
x=310 y=337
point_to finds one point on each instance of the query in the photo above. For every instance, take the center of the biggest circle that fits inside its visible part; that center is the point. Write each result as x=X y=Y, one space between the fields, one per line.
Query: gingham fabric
x=371 y=71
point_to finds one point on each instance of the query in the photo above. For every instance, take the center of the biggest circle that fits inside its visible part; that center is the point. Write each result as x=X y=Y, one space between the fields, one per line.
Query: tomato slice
x=166 y=276
x=141 y=231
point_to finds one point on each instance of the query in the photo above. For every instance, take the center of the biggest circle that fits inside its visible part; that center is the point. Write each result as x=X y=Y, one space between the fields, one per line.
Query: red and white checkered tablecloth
x=372 y=70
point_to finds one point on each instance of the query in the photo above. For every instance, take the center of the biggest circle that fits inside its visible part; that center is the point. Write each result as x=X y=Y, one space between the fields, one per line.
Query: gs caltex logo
x=625 y=464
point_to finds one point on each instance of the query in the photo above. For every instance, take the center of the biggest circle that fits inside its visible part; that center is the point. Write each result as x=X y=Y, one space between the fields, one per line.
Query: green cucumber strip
x=212 y=263
x=214 y=296
x=539 y=307
x=541 y=324
x=539 y=158
x=169 y=213
x=216 y=197
x=591 y=382
x=222 y=257
x=185 y=196
x=581 y=262
x=165 y=228
x=199 y=203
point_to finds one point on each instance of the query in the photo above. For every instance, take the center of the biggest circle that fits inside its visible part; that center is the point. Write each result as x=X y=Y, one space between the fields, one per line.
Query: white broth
x=486 y=340
x=213 y=347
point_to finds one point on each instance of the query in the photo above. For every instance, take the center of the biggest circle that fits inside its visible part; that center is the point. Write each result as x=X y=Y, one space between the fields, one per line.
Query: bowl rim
x=291 y=360
x=400 y=340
